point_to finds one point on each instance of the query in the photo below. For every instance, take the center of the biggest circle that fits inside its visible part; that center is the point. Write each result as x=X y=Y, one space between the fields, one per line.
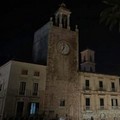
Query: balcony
x=29 y=93
x=26 y=93
x=102 y=107
x=113 y=90
x=35 y=93
x=86 y=88
x=87 y=108
x=101 y=89
x=115 y=107
x=21 y=92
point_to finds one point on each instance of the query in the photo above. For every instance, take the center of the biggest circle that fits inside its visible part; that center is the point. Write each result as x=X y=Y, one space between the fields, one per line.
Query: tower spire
x=88 y=62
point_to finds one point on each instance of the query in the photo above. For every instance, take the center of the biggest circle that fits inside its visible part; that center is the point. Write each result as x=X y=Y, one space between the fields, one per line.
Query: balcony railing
x=26 y=93
x=87 y=108
x=101 y=89
x=35 y=93
x=21 y=92
x=86 y=88
x=102 y=107
x=115 y=107
x=113 y=90
x=29 y=93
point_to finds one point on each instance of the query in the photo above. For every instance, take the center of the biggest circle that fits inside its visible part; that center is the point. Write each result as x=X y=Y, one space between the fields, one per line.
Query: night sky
x=20 y=19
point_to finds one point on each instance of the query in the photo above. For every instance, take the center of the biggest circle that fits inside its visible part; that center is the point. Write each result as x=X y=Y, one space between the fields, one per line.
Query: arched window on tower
x=64 y=21
x=84 y=59
x=91 y=59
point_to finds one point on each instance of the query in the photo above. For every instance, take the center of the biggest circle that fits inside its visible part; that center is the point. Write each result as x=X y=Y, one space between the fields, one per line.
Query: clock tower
x=62 y=46
x=56 y=45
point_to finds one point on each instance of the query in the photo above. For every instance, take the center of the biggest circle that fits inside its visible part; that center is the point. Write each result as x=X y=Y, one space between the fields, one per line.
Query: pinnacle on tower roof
x=63 y=5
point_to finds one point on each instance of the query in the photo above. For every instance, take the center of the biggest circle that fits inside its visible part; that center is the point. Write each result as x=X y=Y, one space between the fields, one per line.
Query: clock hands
x=63 y=47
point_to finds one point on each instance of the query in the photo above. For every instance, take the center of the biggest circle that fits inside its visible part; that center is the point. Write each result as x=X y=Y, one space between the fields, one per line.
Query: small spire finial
x=63 y=5
x=51 y=18
x=76 y=28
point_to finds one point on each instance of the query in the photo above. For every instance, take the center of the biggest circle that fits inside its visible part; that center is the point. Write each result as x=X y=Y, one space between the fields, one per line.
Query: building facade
x=99 y=96
x=22 y=88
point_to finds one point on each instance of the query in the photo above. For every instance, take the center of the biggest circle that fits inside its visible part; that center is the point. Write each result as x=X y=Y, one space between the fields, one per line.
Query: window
x=114 y=103
x=87 y=84
x=19 y=110
x=84 y=68
x=22 y=88
x=91 y=58
x=36 y=73
x=87 y=103
x=33 y=108
x=24 y=72
x=62 y=103
x=84 y=59
x=35 y=88
x=101 y=103
x=113 y=86
x=0 y=87
x=101 y=85
x=91 y=69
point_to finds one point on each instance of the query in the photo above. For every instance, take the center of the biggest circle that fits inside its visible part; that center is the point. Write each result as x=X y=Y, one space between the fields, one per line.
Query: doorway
x=19 y=110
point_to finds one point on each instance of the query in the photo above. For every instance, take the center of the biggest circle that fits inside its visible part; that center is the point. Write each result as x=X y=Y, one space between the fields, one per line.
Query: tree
x=111 y=14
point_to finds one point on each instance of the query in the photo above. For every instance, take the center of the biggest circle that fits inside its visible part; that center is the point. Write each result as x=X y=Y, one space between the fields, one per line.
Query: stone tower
x=88 y=60
x=56 y=45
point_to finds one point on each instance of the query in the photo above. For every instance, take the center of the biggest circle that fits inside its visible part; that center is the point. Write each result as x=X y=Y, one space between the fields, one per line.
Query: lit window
x=24 y=72
x=34 y=107
x=36 y=73
x=62 y=103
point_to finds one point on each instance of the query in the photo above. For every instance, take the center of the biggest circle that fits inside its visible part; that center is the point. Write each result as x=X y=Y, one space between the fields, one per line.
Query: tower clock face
x=63 y=47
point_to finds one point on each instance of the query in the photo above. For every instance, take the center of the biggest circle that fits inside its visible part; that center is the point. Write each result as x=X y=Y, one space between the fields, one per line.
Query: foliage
x=111 y=14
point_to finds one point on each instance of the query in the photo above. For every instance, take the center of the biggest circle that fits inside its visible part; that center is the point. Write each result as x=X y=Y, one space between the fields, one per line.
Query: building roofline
x=15 y=61
x=100 y=74
x=87 y=50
